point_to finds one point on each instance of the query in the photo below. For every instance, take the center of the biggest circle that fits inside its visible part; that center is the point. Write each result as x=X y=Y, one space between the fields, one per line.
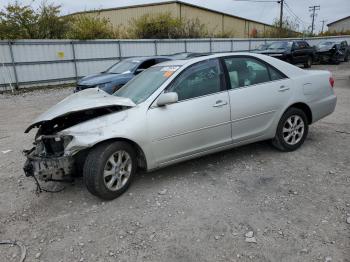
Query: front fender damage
x=59 y=142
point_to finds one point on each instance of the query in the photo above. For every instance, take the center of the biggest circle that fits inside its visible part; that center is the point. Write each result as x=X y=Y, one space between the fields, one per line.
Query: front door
x=199 y=121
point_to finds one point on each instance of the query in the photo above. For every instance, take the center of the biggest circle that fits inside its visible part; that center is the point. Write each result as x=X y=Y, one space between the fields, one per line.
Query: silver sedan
x=175 y=111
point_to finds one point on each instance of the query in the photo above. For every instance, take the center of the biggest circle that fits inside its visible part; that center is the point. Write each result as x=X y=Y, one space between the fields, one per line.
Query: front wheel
x=308 y=62
x=292 y=130
x=109 y=169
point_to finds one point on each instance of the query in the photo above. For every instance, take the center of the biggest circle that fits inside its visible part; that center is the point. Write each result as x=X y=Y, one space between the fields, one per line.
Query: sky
x=298 y=10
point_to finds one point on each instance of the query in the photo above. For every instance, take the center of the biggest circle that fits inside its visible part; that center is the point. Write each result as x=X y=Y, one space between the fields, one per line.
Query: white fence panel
x=32 y=52
x=240 y=45
x=200 y=46
x=40 y=72
x=7 y=74
x=93 y=67
x=96 y=50
x=221 y=46
x=167 y=48
x=56 y=61
x=5 y=55
x=137 y=48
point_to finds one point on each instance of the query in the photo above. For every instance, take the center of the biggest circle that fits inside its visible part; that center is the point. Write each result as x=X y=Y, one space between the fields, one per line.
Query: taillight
x=331 y=81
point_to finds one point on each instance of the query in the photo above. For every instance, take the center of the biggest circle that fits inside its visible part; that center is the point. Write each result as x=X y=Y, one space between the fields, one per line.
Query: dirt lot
x=295 y=203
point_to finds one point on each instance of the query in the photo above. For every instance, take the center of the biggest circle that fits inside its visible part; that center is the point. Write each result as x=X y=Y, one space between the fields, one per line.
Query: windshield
x=124 y=66
x=325 y=44
x=262 y=47
x=280 y=45
x=141 y=87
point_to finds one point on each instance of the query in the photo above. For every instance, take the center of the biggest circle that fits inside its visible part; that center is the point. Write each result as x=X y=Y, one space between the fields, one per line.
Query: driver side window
x=200 y=79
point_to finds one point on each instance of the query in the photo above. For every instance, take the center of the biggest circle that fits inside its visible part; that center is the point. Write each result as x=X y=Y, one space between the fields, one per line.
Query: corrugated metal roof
x=164 y=3
x=344 y=18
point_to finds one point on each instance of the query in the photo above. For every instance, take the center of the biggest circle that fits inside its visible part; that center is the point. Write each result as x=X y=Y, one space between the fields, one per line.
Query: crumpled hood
x=86 y=99
x=93 y=80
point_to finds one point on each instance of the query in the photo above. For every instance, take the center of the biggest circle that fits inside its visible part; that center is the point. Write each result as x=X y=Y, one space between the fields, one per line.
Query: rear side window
x=200 y=79
x=246 y=71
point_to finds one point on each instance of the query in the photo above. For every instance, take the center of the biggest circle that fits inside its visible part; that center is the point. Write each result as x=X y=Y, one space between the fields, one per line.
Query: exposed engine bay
x=47 y=160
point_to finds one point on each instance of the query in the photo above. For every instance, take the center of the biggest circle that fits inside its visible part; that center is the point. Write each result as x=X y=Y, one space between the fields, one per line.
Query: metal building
x=215 y=21
x=340 y=25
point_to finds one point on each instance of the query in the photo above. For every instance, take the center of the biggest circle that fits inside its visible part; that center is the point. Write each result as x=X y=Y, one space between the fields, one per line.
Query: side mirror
x=138 y=71
x=167 y=98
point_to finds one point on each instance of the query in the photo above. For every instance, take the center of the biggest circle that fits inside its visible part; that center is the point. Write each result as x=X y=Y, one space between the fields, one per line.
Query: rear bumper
x=48 y=168
x=323 y=108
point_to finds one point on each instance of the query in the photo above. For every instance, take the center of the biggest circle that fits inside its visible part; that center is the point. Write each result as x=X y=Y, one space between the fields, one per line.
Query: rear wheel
x=109 y=169
x=308 y=62
x=292 y=130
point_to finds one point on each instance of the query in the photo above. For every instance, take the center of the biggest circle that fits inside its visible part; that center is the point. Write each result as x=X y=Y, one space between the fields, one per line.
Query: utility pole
x=323 y=21
x=313 y=9
x=281 y=14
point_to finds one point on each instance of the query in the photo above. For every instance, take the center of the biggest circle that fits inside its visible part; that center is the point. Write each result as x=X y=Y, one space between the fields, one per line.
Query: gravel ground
x=251 y=203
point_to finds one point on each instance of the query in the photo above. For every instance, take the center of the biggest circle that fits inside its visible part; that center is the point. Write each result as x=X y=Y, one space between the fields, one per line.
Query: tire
x=281 y=140
x=308 y=62
x=346 y=58
x=101 y=167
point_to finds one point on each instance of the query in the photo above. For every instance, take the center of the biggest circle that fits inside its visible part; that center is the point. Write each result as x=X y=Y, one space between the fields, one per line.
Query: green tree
x=50 y=24
x=86 y=27
x=164 y=25
x=19 y=21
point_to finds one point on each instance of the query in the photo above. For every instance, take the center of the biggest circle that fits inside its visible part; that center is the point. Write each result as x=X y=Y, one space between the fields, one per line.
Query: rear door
x=258 y=94
x=199 y=121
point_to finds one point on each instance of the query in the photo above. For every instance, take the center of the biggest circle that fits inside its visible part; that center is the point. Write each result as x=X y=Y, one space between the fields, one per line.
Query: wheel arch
x=305 y=108
x=141 y=157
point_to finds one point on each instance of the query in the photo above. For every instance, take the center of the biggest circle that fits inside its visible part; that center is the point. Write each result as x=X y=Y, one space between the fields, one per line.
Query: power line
x=269 y=1
x=289 y=9
x=313 y=9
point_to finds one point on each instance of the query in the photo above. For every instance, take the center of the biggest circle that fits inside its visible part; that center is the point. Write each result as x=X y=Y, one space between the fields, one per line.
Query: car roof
x=203 y=58
x=144 y=58
x=286 y=68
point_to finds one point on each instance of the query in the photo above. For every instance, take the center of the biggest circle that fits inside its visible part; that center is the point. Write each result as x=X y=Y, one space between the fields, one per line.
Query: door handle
x=283 y=88
x=220 y=103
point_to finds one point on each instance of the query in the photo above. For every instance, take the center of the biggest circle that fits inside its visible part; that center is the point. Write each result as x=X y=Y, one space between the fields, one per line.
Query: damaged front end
x=46 y=160
x=52 y=157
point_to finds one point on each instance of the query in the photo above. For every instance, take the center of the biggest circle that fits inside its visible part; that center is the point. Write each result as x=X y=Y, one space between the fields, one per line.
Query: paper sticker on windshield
x=169 y=68
x=168 y=74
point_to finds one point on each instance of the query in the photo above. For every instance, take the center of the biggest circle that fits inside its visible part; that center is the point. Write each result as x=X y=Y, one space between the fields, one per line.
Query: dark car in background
x=119 y=74
x=294 y=52
x=333 y=52
x=261 y=47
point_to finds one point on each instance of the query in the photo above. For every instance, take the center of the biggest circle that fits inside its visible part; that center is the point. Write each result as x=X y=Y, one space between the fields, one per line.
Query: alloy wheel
x=117 y=170
x=293 y=130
